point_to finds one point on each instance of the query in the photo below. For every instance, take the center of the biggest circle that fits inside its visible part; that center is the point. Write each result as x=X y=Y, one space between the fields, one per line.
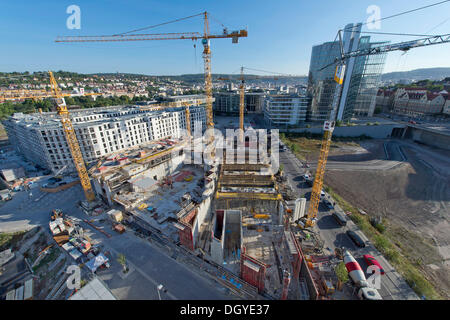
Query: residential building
x=419 y=101
x=285 y=110
x=100 y=132
x=385 y=100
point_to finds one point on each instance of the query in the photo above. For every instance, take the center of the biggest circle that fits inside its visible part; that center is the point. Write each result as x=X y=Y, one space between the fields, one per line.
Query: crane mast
x=241 y=106
x=187 y=115
x=329 y=125
x=207 y=70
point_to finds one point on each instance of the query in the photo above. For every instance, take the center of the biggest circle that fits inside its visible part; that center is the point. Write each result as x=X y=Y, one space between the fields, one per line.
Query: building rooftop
x=51 y=119
x=131 y=161
x=93 y=290
x=161 y=203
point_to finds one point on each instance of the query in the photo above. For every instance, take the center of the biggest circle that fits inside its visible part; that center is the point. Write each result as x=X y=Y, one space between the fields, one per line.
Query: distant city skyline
x=281 y=35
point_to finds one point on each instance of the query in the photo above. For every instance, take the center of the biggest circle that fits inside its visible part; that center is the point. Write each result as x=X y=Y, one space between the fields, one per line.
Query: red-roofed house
x=418 y=101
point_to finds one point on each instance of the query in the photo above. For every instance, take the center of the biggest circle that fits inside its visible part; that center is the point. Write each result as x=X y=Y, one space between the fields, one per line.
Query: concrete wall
x=232 y=232
x=377 y=132
x=428 y=137
x=216 y=239
x=165 y=168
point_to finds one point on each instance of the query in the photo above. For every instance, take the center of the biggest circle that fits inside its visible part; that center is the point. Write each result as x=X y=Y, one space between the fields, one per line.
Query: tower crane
x=71 y=138
x=69 y=131
x=329 y=125
x=205 y=38
x=188 y=118
x=16 y=94
x=241 y=106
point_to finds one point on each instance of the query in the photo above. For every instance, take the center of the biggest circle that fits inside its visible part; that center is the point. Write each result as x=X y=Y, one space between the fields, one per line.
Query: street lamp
x=160 y=287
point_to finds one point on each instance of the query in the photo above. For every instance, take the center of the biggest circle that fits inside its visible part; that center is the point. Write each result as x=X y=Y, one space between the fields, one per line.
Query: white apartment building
x=285 y=110
x=100 y=132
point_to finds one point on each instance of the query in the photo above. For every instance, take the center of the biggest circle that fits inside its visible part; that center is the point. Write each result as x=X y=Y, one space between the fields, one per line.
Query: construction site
x=162 y=197
x=232 y=214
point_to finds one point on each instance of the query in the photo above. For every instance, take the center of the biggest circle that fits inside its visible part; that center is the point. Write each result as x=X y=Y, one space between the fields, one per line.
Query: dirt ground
x=414 y=200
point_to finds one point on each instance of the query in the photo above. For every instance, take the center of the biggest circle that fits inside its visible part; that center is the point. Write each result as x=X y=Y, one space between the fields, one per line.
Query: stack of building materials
x=115 y=215
x=57 y=226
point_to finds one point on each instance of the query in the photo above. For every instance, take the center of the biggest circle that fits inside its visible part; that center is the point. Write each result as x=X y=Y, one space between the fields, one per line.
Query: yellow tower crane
x=328 y=127
x=69 y=131
x=35 y=94
x=188 y=118
x=205 y=38
x=241 y=106
x=71 y=138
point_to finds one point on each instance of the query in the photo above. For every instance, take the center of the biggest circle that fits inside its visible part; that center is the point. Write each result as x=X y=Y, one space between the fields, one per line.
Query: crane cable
x=161 y=24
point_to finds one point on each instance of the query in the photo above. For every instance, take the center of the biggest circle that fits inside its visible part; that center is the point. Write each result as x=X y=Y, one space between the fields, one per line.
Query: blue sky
x=280 y=34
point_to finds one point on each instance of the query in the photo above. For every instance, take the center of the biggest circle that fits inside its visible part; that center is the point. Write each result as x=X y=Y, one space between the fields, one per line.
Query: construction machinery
x=329 y=125
x=71 y=138
x=205 y=38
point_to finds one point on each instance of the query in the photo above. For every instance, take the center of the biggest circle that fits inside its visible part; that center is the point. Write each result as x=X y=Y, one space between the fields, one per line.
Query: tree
x=123 y=261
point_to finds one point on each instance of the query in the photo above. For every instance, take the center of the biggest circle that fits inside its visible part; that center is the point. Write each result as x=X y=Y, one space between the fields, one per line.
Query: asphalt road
x=149 y=267
x=393 y=287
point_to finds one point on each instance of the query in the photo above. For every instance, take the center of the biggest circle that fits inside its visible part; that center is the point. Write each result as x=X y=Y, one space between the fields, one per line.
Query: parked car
x=340 y=219
x=371 y=261
x=329 y=205
x=356 y=239
x=309 y=182
x=5 y=196
x=62 y=183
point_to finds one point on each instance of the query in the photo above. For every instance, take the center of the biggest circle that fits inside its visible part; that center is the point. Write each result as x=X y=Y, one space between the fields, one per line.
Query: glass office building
x=361 y=80
x=364 y=82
